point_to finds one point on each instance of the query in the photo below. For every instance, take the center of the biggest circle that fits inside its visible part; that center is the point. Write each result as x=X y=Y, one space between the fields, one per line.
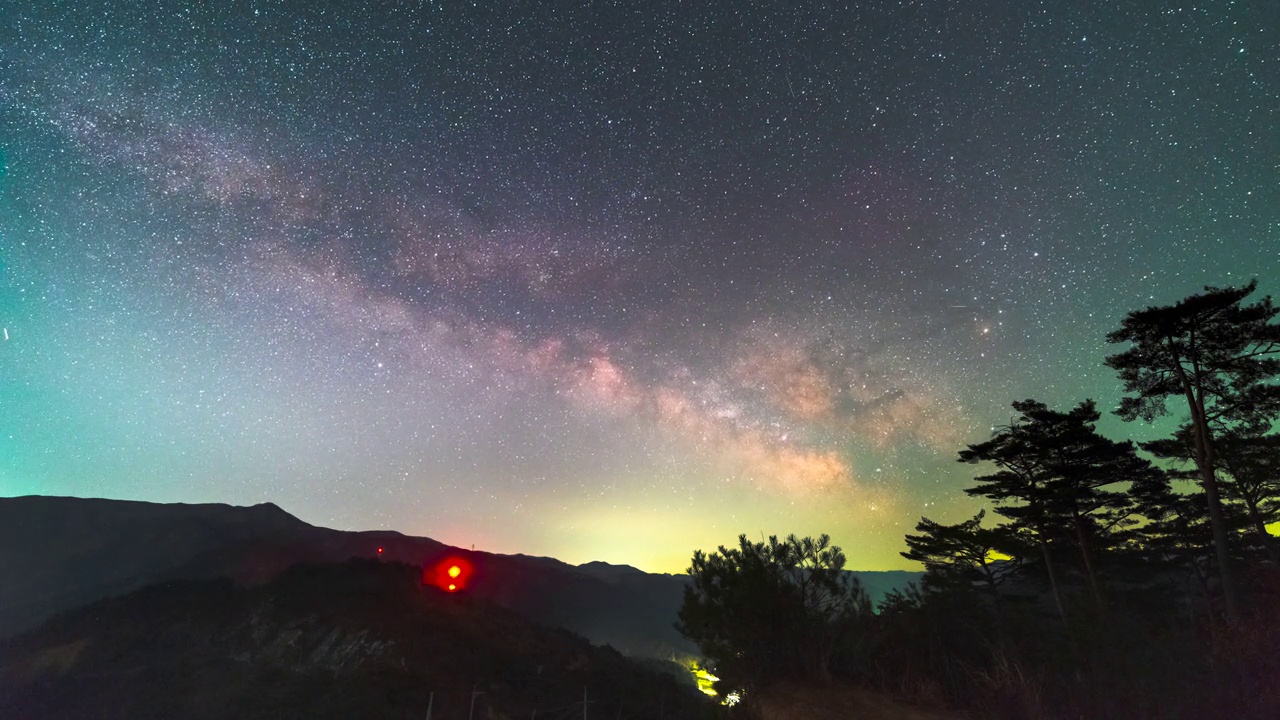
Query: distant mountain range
x=60 y=553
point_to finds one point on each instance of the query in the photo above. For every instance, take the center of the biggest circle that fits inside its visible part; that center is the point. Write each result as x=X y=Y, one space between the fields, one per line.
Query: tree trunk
x=1217 y=520
x=1053 y=580
x=991 y=585
x=1087 y=557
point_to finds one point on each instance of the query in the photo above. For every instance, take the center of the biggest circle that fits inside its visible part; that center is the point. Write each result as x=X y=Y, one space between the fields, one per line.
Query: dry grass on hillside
x=839 y=702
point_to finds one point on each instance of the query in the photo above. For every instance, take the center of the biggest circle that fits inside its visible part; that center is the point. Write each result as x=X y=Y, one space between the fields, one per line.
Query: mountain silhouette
x=59 y=553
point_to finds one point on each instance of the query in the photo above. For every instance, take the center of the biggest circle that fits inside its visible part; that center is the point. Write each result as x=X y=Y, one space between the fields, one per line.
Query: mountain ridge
x=64 y=552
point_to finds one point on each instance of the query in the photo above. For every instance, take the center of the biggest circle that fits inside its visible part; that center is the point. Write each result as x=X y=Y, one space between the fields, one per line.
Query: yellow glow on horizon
x=454 y=572
x=626 y=531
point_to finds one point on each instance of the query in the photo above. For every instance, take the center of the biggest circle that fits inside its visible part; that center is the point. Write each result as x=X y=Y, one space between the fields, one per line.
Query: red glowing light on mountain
x=451 y=574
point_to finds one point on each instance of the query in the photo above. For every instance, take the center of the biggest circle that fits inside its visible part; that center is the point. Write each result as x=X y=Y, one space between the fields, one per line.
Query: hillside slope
x=357 y=639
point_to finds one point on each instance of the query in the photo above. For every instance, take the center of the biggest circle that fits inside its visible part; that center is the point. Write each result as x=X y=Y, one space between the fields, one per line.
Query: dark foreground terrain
x=358 y=639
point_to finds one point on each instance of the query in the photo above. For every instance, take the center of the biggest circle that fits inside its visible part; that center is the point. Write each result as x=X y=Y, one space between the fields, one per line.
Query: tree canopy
x=771 y=610
x=964 y=553
x=1222 y=357
x=1055 y=480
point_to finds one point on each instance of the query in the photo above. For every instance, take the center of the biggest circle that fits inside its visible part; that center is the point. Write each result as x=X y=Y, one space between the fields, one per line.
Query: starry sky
x=602 y=280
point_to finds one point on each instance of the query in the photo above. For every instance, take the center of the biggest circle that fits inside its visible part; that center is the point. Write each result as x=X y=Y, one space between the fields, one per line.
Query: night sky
x=601 y=280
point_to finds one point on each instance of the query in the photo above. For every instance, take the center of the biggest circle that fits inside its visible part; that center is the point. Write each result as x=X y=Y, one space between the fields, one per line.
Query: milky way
x=600 y=281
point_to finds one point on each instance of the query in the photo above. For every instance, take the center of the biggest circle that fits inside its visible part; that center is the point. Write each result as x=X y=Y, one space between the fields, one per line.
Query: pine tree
x=962 y=553
x=1087 y=466
x=1054 y=476
x=1176 y=538
x=1250 y=464
x=1219 y=356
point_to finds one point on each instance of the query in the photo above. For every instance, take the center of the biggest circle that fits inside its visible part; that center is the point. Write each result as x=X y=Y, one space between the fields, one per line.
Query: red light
x=379 y=551
x=450 y=574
